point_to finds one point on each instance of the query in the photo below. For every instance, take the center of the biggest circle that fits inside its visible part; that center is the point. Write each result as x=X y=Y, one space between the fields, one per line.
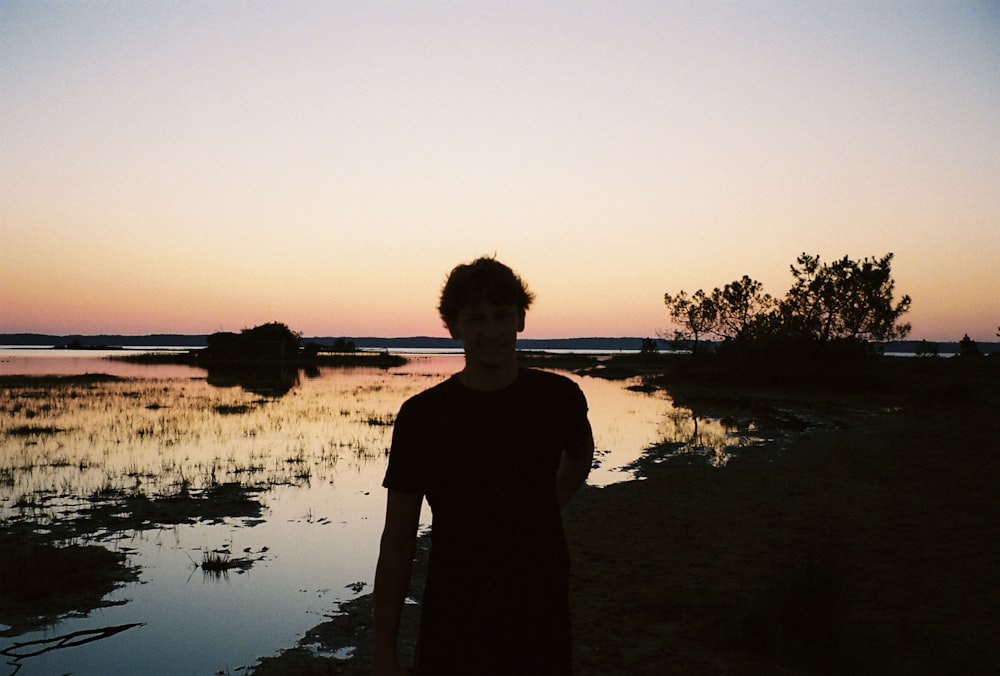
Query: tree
x=271 y=341
x=695 y=314
x=967 y=347
x=927 y=349
x=738 y=308
x=344 y=345
x=847 y=299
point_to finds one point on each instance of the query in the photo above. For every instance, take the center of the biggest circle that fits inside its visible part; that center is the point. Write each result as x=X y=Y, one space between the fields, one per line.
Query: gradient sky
x=192 y=167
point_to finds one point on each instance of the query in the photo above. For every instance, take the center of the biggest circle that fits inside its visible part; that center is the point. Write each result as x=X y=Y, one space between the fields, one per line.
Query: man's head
x=484 y=279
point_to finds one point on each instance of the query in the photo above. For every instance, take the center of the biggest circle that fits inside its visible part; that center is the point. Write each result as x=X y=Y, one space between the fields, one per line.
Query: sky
x=192 y=167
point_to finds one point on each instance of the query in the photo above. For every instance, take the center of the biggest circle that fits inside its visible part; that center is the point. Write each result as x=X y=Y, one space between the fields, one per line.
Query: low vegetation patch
x=40 y=582
x=34 y=430
x=27 y=381
x=218 y=564
x=233 y=409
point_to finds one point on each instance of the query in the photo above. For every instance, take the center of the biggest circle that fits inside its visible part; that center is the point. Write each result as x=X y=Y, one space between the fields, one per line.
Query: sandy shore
x=864 y=543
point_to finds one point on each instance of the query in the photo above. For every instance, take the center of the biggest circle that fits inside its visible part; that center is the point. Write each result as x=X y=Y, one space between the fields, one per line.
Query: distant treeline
x=103 y=340
x=187 y=341
x=362 y=343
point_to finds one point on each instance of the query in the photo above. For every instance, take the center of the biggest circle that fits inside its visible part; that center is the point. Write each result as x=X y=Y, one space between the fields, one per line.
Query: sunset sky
x=190 y=167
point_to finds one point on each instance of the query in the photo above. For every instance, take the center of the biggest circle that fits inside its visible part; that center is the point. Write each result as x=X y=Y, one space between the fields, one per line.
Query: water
x=315 y=458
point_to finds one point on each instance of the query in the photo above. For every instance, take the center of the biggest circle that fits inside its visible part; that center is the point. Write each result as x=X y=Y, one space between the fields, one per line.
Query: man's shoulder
x=552 y=391
x=432 y=394
x=547 y=379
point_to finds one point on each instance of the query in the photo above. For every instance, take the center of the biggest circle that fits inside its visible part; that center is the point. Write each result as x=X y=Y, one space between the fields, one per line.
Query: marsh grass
x=384 y=420
x=96 y=437
x=45 y=381
x=216 y=561
x=118 y=510
x=33 y=430
x=217 y=564
x=237 y=409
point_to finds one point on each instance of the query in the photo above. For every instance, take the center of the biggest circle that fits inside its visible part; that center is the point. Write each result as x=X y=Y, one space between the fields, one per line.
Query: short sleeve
x=577 y=425
x=404 y=470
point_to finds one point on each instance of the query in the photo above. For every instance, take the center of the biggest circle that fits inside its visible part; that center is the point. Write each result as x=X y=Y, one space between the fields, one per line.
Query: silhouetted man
x=497 y=450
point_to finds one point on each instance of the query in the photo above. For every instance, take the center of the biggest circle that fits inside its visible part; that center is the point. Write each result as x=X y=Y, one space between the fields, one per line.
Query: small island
x=271 y=343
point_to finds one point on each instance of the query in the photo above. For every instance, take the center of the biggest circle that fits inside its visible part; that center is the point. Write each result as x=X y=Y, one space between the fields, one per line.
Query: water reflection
x=152 y=437
x=114 y=459
x=23 y=650
x=707 y=439
x=266 y=380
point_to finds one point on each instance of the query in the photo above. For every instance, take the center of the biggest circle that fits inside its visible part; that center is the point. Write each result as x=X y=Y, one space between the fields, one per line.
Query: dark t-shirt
x=496 y=595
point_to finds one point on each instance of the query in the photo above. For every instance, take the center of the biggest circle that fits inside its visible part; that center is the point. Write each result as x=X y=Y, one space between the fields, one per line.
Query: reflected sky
x=316 y=455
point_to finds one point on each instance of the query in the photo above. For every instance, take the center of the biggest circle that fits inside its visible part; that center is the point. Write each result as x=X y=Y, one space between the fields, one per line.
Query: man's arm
x=574 y=466
x=392 y=577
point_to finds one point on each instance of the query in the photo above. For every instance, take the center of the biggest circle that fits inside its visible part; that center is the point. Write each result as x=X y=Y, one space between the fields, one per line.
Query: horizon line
x=407 y=337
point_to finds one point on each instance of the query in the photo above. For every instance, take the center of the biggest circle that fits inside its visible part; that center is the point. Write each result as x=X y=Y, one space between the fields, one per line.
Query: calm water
x=317 y=454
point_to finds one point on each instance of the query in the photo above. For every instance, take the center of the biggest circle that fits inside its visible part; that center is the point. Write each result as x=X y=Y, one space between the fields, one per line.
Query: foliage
x=738 y=311
x=844 y=300
x=848 y=303
x=271 y=341
x=649 y=347
x=341 y=346
x=344 y=345
x=967 y=347
x=927 y=349
x=695 y=314
x=740 y=307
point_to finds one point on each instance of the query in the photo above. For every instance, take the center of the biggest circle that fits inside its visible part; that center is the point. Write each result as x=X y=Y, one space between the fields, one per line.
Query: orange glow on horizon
x=328 y=172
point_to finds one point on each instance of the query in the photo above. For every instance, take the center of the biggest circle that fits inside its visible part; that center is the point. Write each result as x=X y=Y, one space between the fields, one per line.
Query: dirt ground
x=863 y=543
x=861 y=550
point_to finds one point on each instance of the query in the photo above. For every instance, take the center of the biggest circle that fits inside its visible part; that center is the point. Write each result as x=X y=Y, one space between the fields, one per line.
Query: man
x=497 y=450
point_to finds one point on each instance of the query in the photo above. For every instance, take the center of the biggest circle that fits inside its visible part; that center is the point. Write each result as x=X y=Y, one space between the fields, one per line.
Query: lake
x=307 y=461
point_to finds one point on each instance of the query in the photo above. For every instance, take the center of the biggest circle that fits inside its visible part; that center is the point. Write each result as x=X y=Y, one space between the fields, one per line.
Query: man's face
x=488 y=333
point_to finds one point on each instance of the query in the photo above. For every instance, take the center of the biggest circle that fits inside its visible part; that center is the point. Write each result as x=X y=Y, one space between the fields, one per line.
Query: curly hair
x=485 y=277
